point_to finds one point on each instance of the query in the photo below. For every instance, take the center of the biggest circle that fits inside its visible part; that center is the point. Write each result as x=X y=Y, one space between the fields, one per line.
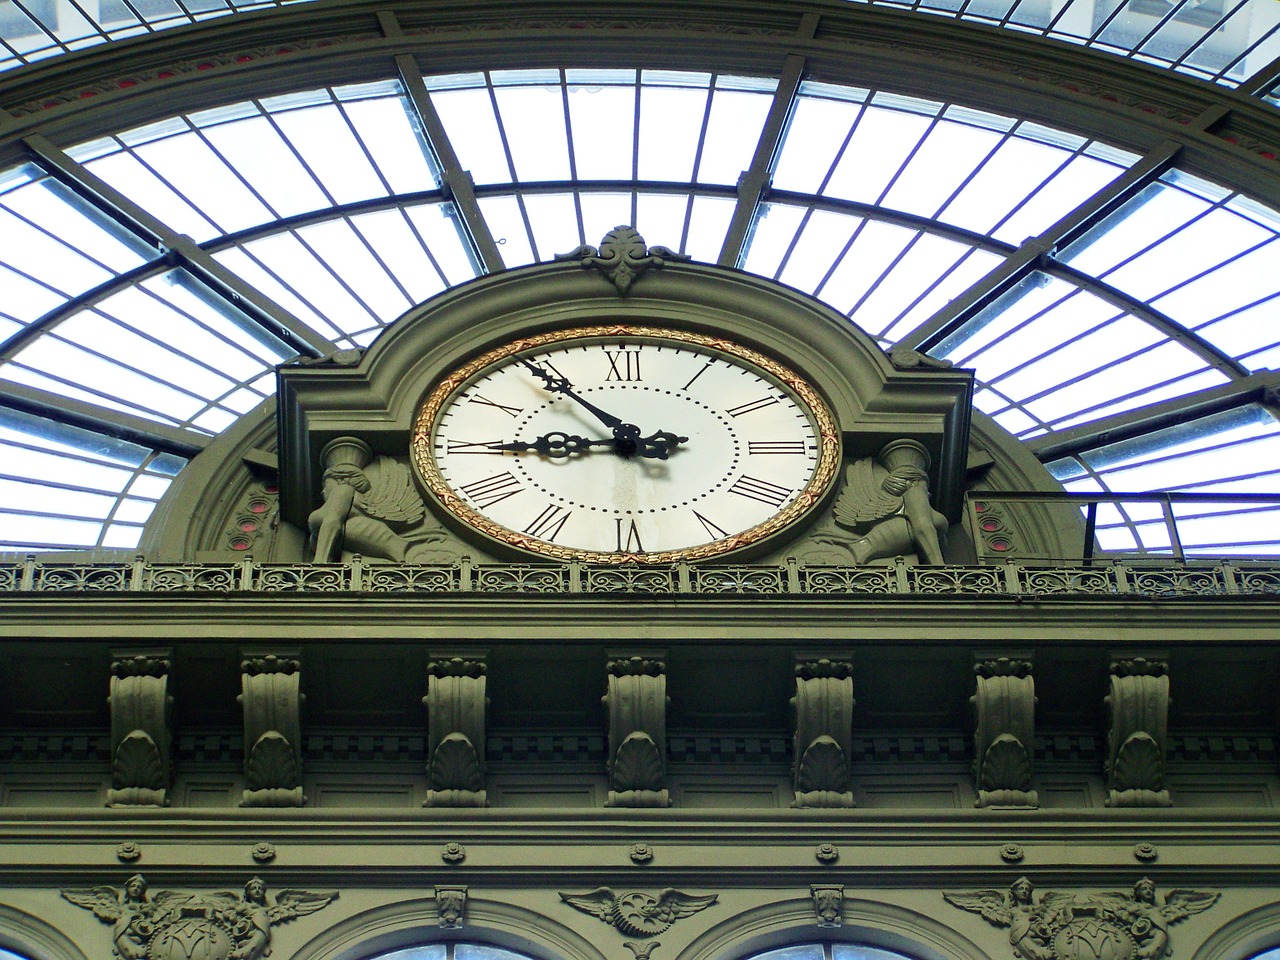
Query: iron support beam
x=458 y=184
x=180 y=249
x=755 y=179
x=1255 y=388
x=1260 y=83
x=113 y=423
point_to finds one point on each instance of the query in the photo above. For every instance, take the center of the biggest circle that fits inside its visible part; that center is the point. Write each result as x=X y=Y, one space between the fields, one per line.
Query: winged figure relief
x=885 y=504
x=638 y=914
x=371 y=507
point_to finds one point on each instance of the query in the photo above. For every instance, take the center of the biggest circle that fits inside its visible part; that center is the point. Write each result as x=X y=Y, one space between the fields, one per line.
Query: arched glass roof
x=1231 y=42
x=1118 y=310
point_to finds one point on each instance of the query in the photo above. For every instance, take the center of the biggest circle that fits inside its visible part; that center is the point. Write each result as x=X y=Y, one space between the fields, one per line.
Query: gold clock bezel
x=421 y=445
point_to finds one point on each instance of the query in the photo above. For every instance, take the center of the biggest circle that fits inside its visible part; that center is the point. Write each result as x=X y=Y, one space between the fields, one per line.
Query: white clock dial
x=626 y=444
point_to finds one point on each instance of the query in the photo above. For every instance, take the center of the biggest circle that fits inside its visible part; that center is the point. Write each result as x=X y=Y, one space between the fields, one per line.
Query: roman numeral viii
x=490 y=490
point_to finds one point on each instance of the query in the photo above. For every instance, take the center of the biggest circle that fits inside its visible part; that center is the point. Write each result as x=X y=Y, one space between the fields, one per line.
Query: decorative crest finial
x=622 y=256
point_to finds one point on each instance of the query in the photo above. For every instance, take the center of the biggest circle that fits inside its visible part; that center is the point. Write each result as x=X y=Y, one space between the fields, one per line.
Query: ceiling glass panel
x=888 y=278
x=559 y=125
x=1237 y=451
x=1204 y=256
x=67 y=488
x=1052 y=355
x=53 y=247
x=221 y=171
x=978 y=171
x=348 y=277
x=535 y=227
x=166 y=349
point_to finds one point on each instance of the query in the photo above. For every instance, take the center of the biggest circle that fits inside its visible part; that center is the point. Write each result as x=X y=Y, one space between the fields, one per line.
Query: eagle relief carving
x=638 y=914
x=187 y=926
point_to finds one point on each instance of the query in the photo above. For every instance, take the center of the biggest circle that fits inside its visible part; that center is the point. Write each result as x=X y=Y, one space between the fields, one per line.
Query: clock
x=626 y=444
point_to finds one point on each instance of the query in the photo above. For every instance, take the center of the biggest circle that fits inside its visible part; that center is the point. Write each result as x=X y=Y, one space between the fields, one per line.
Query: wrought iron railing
x=1100 y=578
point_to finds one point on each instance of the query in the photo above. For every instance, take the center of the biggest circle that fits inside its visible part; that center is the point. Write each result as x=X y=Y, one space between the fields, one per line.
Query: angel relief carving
x=885 y=506
x=638 y=914
x=185 y=926
x=1100 y=926
x=371 y=507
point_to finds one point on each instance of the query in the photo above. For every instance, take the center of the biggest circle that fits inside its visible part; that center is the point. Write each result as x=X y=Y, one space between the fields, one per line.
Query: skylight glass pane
x=54 y=246
x=237 y=166
x=888 y=278
x=65 y=488
x=978 y=171
x=351 y=276
x=1061 y=356
x=1200 y=256
x=166 y=349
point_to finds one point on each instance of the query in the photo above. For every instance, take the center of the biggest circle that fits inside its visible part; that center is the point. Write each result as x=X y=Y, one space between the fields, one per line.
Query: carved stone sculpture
x=885 y=506
x=451 y=902
x=456 y=706
x=371 y=507
x=141 y=738
x=638 y=914
x=1138 y=705
x=823 y=707
x=637 y=704
x=622 y=256
x=1004 y=734
x=182 y=926
x=1101 y=926
x=272 y=702
x=827 y=900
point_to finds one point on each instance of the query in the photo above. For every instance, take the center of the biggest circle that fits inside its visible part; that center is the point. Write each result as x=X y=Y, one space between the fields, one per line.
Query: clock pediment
x=375 y=396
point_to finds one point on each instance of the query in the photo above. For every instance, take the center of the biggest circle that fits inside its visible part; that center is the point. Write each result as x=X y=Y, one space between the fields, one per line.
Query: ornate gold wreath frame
x=422 y=450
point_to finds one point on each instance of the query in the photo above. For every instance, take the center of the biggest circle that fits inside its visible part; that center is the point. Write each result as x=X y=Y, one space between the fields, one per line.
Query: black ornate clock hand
x=627 y=441
x=555 y=444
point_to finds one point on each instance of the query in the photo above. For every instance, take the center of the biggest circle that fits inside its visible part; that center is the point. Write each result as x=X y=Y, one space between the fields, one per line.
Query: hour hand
x=556 y=444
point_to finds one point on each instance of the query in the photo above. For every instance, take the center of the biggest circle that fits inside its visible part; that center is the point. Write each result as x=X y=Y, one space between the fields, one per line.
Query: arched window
x=470 y=951
x=832 y=951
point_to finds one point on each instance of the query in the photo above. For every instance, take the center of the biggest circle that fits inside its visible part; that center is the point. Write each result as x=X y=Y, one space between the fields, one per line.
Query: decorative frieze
x=637 y=705
x=271 y=698
x=823 y=707
x=1004 y=733
x=1138 y=707
x=1100 y=926
x=456 y=706
x=141 y=737
x=182 y=926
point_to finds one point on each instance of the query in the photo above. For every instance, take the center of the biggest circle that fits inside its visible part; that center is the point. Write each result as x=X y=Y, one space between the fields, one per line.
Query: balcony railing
x=1100 y=578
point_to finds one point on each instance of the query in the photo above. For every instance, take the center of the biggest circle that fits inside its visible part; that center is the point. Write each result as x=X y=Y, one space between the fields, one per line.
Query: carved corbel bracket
x=141 y=738
x=1004 y=733
x=823 y=707
x=451 y=902
x=271 y=698
x=1138 y=705
x=827 y=900
x=637 y=704
x=456 y=706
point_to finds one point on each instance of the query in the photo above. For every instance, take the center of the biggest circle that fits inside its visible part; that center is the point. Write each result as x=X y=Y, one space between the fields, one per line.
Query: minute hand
x=561 y=385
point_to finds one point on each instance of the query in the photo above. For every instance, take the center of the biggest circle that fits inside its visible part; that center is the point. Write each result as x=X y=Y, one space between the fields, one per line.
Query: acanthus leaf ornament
x=1100 y=926
x=638 y=914
x=185 y=926
x=622 y=256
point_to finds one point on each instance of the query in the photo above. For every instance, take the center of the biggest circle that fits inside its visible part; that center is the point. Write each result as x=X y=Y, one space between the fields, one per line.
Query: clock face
x=621 y=444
